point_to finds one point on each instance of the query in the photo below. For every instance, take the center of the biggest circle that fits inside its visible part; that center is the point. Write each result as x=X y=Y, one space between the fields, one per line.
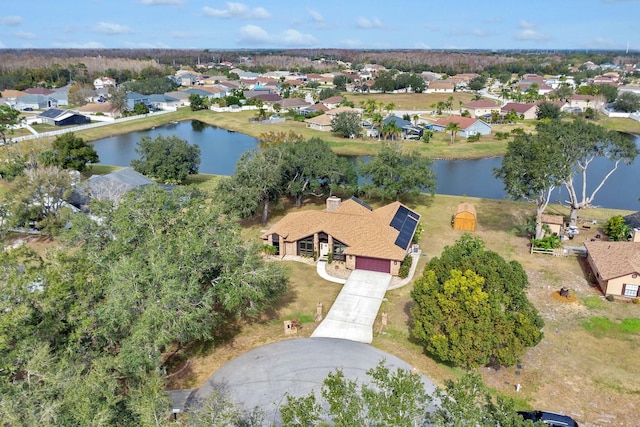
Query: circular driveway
x=263 y=376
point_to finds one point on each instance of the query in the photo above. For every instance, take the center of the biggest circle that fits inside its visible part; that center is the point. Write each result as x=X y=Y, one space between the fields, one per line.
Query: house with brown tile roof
x=615 y=266
x=351 y=231
x=526 y=111
x=583 y=102
x=294 y=104
x=321 y=123
x=480 y=108
x=468 y=126
x=554 y=222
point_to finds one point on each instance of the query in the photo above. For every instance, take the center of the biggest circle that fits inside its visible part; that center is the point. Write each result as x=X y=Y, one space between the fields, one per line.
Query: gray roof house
x=163 y=102
x=134 y=98
x=59 y=117
x=36 y=102
x=112 y=186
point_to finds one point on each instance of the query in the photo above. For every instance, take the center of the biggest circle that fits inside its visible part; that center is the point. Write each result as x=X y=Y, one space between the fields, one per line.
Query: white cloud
x=237 y=10
x=25 y=35
x=157 y=2
x=365 y=23
x=112 y=29
x=602 y=42
x=421 y=45
x=11 y=20
x=2 y=45
x=252 y=35
x=527 y=25
x=146 y=45
x=528 y=32
x=75 y=45
x=316 y=16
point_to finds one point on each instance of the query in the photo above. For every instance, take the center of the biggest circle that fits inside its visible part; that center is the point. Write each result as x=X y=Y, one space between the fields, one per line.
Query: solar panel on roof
x=399 y=218
x=406 y=232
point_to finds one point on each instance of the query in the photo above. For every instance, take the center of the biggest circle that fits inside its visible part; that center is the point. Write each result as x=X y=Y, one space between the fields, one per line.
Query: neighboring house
x=582 y=102
x=35 y=102
x=615 y=266
x=39 y=91
x=104 y=83
x=480 y=108
x=351 y=231
x=468 y=126
x=164 y=102
x=181 y=96
x=99 y=108
x=134 y=98
x=315 y=108
x=58 y=117
x=112 y=186
x=215 y=91
x=294 y=104
x=332 y=102
x=526 y=111
x=621 y=89
x=61 y=96
x=440 y=86
x=406 y=126
x=321 y=123
x=269 y=99
x=248 y=94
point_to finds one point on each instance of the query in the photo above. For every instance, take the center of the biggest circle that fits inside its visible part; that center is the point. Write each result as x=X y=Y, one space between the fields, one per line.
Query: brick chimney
x=333 y=203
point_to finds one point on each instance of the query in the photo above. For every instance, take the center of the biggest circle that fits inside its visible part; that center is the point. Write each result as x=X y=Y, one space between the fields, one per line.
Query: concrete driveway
x=262 y=377
x=352 y=315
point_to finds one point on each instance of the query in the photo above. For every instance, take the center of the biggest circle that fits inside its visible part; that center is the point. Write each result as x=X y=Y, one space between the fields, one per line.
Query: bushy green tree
x=392 y=173
x=548 y=110
x=70 y=152
x=167 y=159
x=140 y=108
x=347 y=124
x=471 y=308
x=627 y=102
x=617 y=229
x=8 y=119
x=82 y=333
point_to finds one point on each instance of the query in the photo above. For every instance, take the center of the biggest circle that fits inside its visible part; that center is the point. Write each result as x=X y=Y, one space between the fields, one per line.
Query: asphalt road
x=262 y=377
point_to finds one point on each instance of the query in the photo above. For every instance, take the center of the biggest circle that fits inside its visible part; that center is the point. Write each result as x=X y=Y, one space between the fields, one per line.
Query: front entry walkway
x=352 y=315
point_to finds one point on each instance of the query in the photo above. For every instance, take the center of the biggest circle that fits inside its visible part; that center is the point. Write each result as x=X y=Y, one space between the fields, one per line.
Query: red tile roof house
x=615 y=266
x=468 y=126
x=353 y=232
x=526 y=111
x=480 y=108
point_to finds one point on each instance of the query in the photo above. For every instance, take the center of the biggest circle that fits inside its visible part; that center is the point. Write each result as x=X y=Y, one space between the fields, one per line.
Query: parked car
x=549 y=418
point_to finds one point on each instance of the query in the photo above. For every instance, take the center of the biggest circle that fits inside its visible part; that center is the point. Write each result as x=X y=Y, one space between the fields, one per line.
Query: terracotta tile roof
x=318 y=107
x=464 y=122
x=365 y=232
x=614 y=259
x=336 y=111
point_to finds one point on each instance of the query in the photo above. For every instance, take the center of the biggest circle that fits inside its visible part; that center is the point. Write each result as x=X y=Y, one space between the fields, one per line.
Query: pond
x=221 y=149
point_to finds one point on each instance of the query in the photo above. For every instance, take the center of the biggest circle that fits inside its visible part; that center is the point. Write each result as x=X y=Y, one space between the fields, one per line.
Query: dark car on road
x=549 y=418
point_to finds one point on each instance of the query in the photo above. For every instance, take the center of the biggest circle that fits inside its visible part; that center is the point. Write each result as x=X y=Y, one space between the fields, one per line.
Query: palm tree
x=391 y=129
x=376 y=120
x=452 y=127
x=390 y=107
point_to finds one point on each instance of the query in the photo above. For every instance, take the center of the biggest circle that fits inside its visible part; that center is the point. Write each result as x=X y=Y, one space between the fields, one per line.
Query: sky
x=355 y=24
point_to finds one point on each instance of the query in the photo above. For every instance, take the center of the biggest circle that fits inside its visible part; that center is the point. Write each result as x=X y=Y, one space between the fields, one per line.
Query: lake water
x=221 y=149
